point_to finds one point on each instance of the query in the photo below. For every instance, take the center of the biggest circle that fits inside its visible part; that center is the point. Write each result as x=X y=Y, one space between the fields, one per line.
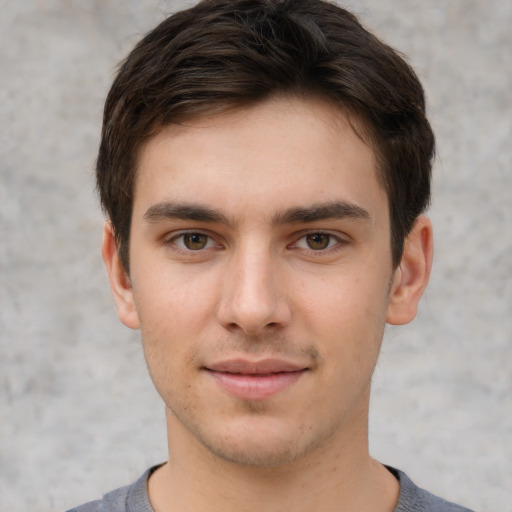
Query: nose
x=253 y=297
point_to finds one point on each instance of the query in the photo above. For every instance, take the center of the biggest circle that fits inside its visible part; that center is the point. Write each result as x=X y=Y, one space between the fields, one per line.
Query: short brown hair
x=222 y=54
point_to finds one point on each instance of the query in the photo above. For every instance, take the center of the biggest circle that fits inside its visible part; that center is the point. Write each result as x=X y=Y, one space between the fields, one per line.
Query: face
x=260 y=277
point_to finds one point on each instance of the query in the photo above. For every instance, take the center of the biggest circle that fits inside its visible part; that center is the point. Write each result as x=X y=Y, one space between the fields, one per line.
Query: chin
x=260 y=445
x=257 y=456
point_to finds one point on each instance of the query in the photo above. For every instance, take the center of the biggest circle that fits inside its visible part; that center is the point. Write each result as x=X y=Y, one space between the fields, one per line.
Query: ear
x=120 y=283
x=411 y=276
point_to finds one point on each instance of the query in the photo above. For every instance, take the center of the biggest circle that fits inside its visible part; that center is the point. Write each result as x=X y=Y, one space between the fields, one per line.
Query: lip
x=255 y=380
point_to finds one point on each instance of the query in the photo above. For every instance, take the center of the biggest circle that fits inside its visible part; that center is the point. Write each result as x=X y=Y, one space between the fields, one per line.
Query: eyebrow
x=333 y=210
x=197 y=212
x=299 y=215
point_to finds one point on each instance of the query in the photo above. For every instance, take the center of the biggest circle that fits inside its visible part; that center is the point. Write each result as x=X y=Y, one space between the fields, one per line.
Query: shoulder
x=92 y=506
x=414 y=499
x=114 y=501
x=130 y=498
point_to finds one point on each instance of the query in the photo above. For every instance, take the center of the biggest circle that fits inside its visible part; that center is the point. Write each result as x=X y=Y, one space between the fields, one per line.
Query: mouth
x=255 y=380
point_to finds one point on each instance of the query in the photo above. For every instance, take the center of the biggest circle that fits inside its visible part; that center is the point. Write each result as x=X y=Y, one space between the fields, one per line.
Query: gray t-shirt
x=134 y=498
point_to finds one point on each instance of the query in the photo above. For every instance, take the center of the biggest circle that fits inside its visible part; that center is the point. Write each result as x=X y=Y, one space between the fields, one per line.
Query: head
x=224 y=55
x=263 y=165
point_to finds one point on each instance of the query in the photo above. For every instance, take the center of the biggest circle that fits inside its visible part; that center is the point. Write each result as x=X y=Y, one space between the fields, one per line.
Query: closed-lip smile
x=255 y=380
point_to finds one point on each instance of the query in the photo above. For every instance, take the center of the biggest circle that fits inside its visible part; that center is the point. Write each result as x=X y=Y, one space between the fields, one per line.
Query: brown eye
x=318 y=241
x=195 y=241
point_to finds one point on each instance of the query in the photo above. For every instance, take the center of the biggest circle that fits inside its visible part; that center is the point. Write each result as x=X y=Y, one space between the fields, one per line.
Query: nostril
x=252 y=303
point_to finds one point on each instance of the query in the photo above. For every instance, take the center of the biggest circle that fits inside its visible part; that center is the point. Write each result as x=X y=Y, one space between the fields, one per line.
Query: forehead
x=283 y=150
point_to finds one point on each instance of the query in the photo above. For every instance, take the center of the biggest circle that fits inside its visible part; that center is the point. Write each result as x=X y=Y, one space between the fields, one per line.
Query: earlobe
x=120 y=284
x=411 y=277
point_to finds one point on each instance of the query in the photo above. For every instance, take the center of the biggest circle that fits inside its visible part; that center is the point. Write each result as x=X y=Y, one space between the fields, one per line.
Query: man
x=264 y=166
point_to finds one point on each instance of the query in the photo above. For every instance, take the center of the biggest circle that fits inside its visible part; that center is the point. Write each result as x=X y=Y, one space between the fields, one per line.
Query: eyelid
x=338 y=238
x=170 y=240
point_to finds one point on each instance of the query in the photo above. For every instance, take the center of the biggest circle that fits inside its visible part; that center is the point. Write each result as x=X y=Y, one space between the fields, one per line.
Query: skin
x=264 y=234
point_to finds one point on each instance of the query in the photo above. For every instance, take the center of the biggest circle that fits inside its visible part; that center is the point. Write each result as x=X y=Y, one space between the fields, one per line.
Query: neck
x=337 y=476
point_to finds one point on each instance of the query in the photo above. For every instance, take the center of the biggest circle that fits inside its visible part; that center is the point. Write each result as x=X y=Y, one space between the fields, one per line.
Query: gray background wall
x=78 y=415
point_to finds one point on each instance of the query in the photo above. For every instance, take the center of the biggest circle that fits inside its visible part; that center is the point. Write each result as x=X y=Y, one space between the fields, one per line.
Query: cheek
x=348 y=313
x=174 y=312
x=350 y=298
x=171 y=297
x=170 y=331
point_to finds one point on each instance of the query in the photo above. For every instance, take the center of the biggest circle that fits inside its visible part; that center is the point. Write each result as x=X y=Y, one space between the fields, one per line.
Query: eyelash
x=177 y=243
x=174 y=242
x=333 y=242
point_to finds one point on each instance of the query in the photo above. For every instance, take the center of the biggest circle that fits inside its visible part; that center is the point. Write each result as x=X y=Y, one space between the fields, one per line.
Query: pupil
x=195 y=241
x=318 y=241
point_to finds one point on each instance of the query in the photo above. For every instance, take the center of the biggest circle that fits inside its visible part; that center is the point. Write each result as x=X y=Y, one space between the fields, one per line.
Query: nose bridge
x=252 y=297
